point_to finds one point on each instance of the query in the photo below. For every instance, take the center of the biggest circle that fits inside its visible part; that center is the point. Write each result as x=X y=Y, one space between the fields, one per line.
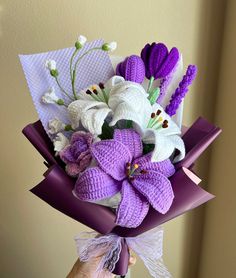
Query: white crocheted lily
x=120 y=99
x=162 y=131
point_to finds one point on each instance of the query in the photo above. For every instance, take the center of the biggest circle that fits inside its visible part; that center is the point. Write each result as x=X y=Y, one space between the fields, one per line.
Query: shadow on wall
x=1 y=14
x=208 y=61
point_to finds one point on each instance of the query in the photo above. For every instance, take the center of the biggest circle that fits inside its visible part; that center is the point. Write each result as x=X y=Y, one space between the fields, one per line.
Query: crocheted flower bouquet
x=119 y=160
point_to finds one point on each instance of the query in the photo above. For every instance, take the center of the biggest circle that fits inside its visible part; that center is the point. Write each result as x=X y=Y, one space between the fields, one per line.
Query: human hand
x=88 y=269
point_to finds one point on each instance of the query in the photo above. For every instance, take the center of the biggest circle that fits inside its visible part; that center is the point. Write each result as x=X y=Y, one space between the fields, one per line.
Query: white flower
x=51 y=64
x=162 y=131
x=50 y=96
x=121 y=100
x=113 y=46
x=60 y=142
x=82 y=40
x=55 y=126
x=109 y=46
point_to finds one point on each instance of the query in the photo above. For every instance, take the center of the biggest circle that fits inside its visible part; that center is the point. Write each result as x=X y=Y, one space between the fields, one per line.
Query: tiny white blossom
x=109 y=46
x=80 y=42
x=60 y=142
x=82 y=39
x=50 y=96
x=51 y=64
x=55 y=126
x=113 y=46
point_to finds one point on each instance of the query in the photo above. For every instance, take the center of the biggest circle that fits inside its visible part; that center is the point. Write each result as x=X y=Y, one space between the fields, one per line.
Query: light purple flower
x=132 y=69
x=77 y=155
x=158 y=61
x=123 y=168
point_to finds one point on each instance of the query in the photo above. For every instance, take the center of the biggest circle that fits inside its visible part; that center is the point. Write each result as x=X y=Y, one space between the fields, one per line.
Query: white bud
x=82 y=39
x=51 y=64
x=50 y=96
x=113 y=46
x=109 y=46
x=55 y=126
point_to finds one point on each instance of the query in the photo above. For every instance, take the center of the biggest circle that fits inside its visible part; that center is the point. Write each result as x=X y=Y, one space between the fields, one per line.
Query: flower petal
x=112 y=156
x=132 y=69
x=73 y=169
x=114 y=81
x=164 y=146
x=131 y=139
x=133 y=207
x=169 y=63
x=145 y=54
x=125 y=91
x=93 y=119
x=78 y=107
x=94 y=184
x=172 y=126
x=156 y=188
x=158 y=55
x=129 y=102
x=178 y=142
x=126 y=112
x=164 y=167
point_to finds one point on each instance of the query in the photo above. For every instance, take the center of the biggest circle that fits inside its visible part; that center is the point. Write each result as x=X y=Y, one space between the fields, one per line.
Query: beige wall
x=218 y=256
x=36 y=240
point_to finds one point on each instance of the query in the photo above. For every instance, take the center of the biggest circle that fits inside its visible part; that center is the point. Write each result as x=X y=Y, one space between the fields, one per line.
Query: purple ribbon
x=56 y=188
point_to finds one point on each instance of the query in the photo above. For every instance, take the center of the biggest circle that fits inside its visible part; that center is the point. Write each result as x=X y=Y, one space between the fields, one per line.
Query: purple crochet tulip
x=77 y=155
x=132 y=69
x=158 y=61
x=123 y=168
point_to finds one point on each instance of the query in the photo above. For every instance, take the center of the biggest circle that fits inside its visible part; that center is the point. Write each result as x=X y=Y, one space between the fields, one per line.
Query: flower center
x=98 y=93
x=133 y=170
x=156 y=121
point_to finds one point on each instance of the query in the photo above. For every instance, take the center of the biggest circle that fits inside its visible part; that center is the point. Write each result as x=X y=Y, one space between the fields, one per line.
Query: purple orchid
x=77 y=155
x=158 y=61
x=123 y=168
x=132 y=69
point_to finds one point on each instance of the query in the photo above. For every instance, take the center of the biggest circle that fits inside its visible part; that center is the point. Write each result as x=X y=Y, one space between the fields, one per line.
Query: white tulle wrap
x=148 y=246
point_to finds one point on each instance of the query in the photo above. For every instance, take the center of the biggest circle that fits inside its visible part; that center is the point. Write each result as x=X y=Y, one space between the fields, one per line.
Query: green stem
x=71 y=62
x=150 y=84
x=73 y=84
x=75 y=68
x=59 y=85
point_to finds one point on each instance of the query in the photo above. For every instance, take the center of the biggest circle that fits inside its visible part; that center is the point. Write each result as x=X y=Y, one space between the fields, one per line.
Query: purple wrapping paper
x=56 y=188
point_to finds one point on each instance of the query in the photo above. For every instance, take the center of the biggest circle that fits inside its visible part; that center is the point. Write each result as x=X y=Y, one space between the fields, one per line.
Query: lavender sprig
x=181 y=91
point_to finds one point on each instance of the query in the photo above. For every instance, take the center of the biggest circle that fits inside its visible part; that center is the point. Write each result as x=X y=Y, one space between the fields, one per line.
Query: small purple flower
x=132 y=69
x=77 y=155
x=158 y=61
x=123 y=168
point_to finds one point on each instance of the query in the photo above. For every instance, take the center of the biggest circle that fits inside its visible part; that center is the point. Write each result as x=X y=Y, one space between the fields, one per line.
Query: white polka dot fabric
x=94 y=68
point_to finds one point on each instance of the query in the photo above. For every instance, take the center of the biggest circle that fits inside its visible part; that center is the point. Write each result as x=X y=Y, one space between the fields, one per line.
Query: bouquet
x=119 y=159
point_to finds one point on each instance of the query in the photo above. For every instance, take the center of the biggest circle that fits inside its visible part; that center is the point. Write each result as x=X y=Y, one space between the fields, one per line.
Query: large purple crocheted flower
x=132 y=69
x=158 y=61
x=123 y=168
x=77 y=155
